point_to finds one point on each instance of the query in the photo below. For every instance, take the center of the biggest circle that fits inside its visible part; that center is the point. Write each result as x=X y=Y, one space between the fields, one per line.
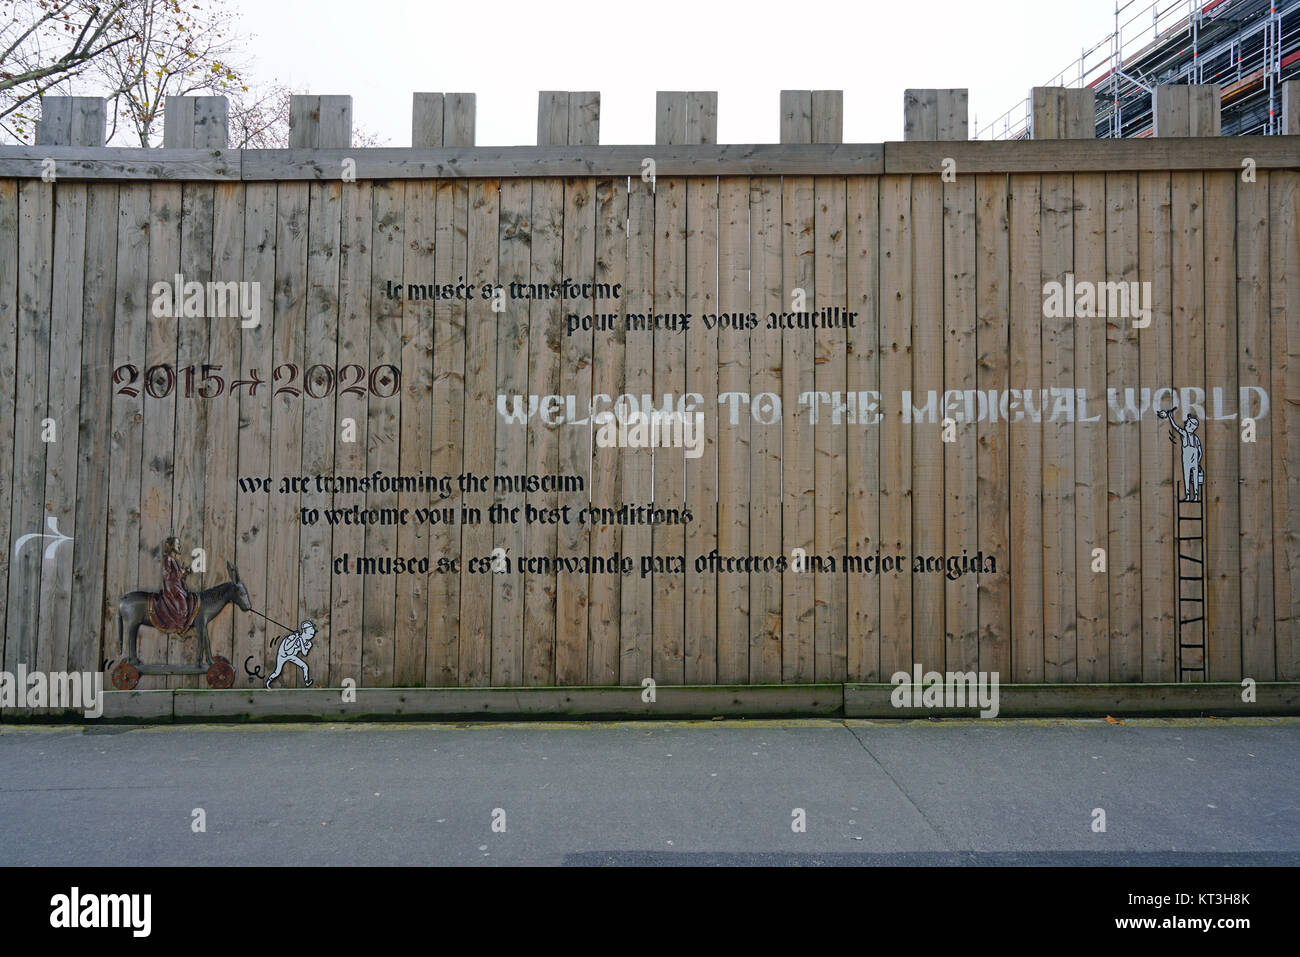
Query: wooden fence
x=942 y=411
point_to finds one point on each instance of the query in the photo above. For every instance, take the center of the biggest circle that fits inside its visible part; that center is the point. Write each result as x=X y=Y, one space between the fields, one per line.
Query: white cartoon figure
x=294 y=647
x=1193 y=474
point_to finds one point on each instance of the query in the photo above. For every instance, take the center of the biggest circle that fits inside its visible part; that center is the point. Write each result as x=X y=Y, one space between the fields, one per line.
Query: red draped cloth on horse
x=173 y=609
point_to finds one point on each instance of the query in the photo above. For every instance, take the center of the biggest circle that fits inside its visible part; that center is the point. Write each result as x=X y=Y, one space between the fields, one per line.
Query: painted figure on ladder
x=1193 y=472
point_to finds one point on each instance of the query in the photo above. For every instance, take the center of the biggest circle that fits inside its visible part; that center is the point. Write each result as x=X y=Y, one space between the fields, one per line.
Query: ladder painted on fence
x=1189 y=590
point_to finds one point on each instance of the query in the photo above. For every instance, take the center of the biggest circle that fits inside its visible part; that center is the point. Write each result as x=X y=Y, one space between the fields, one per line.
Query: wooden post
x=936 y=114
x=1182 y=110
x=197 y=122
x=320 y=122
x=568 y=119
x=1290 y=125
x=1059 y=113
x=442 y=119
x=683 y=119
x=812 y=116
x=72 y=121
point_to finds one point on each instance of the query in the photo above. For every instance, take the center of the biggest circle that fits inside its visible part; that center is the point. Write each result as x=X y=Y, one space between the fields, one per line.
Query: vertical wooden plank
x=1284 y=309
x=387 y=254
x=426 y=120
x=55 y=128
x=961 y=352
x=584 y=118
x=442 y=663
x=954 y=113
x=609 y=374
x=8 y=360
x=415 y=449
x=288 y=352
x=1289 y=121
x=88 y=121
x=546 y=338
x=733 y=430
x=920 y=114
x=1170 y=113
x=1155 y=345
x=1092 y=593
x=220 y=500
x=1189 y=327
x=211 y=122
x=1044 y=113
x=573 y=593
x=552 y=118
x=668 y=541
x=513 y=341
x=1255 y=505
x=304 y=122
x=460 y=111
x=798 y=265
x=480 y=433
x=1059 y=607
x=796 y=116
x=130 y=318
x=701 y=117
x=1004 y=259
x=335 y=122
x=1221 y=436
x=703 y=588
x=895 y=436
x=765 y=386
x=828 y=116
x=635 y=613
x=830 y=454
x=178 y=122
x=88 y=559
x=927 y=447
x=347 y=592
x=159 y=398
x=256 y=363
x=31 y=377
x=191 y=423
x=319 y=422
x=66 y=300
x=1124 y=438
x=1203 y=117
x=862 y=442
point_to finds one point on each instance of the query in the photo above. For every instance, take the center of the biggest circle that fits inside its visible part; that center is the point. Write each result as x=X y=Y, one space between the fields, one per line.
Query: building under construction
x=1246 y=47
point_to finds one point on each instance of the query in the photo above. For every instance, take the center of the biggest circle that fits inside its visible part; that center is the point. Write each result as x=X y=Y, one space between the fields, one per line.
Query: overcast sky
x=382 y=51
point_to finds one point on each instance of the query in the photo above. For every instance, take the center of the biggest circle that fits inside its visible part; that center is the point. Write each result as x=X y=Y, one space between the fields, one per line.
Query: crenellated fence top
x=71 y=134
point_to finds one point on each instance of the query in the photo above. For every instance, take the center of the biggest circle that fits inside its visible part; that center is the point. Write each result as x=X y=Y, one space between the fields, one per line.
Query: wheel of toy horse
x=221 y=674
x=125 y=676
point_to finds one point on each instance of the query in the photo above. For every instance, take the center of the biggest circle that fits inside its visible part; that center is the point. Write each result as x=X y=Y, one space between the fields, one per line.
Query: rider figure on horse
x=172 y=609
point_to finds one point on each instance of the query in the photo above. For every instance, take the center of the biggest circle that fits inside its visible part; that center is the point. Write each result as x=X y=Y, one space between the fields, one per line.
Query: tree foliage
x=135 y=53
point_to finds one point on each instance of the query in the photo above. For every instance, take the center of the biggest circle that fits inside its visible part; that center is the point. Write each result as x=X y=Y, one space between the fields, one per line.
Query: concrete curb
x=694 y=701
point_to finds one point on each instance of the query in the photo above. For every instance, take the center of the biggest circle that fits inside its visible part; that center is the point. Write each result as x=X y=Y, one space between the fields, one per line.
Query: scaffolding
x=1247 y=47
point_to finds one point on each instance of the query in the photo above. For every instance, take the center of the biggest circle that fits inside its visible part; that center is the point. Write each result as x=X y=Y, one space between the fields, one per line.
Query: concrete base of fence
x=1219 y=699
x=614 y=703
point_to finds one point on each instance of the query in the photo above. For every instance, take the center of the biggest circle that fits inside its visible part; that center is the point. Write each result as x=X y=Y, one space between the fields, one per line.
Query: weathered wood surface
x=459 y=161
x=947 y=277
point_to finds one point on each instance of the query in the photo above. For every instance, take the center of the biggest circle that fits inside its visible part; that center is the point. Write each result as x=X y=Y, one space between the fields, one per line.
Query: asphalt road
x=724 y=792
